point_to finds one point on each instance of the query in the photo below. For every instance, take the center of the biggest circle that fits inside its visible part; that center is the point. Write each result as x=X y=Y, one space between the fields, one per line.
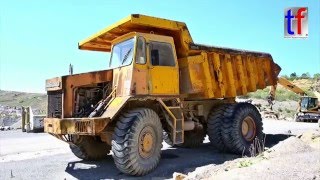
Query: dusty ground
x=292 y=158
x=40 y=156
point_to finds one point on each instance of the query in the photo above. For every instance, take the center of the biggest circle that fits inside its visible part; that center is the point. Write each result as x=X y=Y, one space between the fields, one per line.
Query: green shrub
x=281 y=94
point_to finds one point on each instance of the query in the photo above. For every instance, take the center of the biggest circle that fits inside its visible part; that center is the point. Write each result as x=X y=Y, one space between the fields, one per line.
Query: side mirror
x=155 y=57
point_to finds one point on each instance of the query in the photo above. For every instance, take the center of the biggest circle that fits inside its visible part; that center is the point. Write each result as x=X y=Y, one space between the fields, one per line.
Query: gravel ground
x=41 y=156
x=292 y=158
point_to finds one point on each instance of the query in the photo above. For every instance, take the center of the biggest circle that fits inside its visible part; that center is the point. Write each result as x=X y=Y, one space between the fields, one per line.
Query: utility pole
x=70 y=69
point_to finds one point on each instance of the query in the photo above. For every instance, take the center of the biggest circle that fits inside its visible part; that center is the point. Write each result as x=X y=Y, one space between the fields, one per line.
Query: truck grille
x=54 y=104
x=84 y=127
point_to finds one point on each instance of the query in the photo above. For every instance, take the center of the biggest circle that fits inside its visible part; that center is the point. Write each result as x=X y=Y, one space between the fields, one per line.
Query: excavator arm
x=286 y=84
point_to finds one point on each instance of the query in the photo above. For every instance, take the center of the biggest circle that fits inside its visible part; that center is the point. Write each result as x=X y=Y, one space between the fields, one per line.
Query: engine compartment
x=87 y=98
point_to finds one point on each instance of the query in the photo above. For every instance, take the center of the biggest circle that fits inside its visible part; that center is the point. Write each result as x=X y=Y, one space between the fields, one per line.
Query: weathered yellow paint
x=289 y=85
x=82 y=126
x=252 y=82
x=207 y=75
x=242 y=77
x=163 y=80
x=218 y=75
x=114 y=106
x=202 y=72
x=102 y=40
x=230 y=76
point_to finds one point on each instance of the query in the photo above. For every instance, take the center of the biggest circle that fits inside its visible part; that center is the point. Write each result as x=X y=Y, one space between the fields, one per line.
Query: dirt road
x=41 y=156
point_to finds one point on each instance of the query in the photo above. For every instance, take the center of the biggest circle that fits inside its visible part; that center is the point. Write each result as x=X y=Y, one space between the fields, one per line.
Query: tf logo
x=296 y=22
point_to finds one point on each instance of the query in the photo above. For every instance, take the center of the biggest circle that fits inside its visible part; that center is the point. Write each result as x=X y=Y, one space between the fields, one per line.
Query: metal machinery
x=157 y=80
x=309 y=107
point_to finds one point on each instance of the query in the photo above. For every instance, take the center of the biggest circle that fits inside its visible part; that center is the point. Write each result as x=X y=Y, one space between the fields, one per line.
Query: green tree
x=305 y=75
x=293 y=75
x=316 y=76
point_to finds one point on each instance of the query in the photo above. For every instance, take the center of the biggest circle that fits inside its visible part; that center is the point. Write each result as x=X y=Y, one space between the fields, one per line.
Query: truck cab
x=144 y=64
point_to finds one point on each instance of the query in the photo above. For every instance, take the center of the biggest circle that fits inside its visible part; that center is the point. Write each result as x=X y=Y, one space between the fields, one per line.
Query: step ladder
x=174 y=118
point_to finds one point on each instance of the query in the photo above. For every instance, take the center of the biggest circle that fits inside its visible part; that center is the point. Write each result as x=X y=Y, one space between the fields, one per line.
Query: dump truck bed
x=223 y=72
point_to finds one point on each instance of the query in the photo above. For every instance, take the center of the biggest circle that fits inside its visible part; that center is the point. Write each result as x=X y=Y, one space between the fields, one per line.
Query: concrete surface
x=41 y=156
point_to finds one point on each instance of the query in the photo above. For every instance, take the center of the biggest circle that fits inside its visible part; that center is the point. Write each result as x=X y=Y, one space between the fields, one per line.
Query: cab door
x=163 y=67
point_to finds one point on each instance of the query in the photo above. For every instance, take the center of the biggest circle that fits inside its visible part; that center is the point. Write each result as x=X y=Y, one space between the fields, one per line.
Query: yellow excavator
x=309 y=106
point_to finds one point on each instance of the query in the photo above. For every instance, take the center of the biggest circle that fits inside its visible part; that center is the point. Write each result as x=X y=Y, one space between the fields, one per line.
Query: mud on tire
x=137 y=141
x=241 y=125
x=90 y=148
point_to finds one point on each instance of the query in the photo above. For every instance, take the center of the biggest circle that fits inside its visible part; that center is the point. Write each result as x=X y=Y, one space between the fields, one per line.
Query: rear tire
x=89 y=148
x=215 y=123
x=242 y=124
x=137 y=142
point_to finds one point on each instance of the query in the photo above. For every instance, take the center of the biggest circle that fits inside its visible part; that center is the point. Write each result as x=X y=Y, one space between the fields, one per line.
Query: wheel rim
x=146 y=142
x=248 y=128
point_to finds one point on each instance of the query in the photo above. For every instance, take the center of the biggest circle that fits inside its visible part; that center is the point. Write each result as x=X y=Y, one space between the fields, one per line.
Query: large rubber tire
x=215 y=122
x=232 y=131
x=89 y=148
x=128 y=142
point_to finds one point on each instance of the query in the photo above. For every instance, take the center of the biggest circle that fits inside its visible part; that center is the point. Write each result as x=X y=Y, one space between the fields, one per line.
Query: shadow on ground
x=273 y=139
x=172 y=160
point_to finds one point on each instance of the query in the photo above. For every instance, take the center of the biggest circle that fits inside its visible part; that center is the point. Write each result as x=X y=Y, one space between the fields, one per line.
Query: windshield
x=122 y=54
x=304 y=103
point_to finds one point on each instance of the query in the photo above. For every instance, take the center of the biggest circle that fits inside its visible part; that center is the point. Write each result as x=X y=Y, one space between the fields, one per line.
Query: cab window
x=141 y=51
x=122 y=54
x=161 y=54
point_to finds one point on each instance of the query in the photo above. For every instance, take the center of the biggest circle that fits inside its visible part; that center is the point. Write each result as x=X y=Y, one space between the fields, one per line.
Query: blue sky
x=38 y=39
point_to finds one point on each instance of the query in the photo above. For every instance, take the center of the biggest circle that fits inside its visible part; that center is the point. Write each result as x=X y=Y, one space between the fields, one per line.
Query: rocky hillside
x=11 y=102
x=17 y=99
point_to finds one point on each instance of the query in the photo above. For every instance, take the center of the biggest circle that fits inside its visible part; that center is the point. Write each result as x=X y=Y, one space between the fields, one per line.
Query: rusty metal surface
x=54 y=84
x=73 y=81
x=115 y=106
x=102 y=41
x=80 y=126
x=223 y=75
x=140 y=80
x=55 y=99
x=122 y=80
x=219 y=49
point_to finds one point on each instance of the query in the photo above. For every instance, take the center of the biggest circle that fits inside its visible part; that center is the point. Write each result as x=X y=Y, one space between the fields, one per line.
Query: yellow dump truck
x=158 y=84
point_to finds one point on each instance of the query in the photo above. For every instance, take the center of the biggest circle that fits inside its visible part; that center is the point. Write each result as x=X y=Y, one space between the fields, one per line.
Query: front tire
x=137 y=142
x=242 y=125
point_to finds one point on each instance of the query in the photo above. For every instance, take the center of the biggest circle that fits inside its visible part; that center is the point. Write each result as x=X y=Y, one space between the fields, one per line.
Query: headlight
x=300 y=114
